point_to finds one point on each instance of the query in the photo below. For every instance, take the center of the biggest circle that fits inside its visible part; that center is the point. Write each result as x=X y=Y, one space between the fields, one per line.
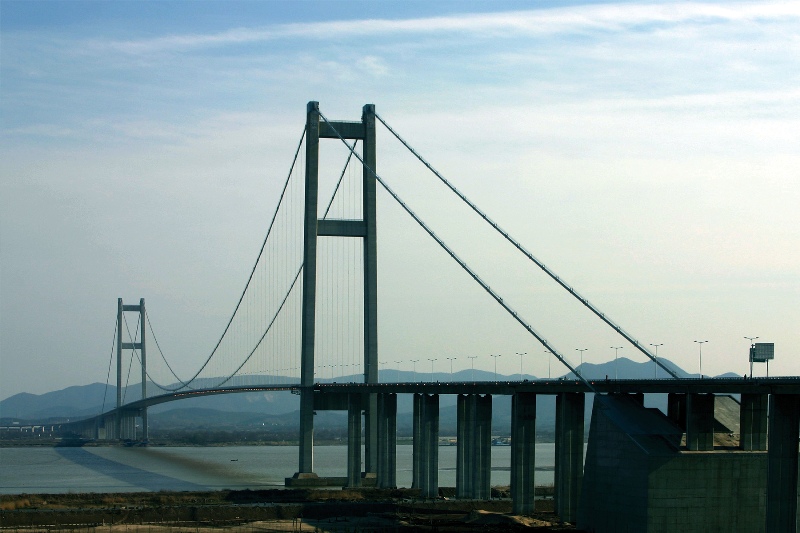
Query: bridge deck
x=775 y=385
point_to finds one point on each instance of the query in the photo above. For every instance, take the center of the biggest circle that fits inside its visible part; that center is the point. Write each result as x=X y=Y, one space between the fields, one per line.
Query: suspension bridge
x=308 y=316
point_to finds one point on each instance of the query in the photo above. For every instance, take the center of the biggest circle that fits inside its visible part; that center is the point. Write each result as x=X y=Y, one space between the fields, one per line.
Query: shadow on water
x=127 y=474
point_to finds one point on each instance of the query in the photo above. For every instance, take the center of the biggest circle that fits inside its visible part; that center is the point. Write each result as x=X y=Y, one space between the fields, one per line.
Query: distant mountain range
x=254 y=409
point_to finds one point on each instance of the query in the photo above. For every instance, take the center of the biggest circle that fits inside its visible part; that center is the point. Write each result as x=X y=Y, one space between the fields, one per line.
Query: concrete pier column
x=429 y=446
x=145 y=428
x=700 y=422
x=127 y=426
x=464 y=443
x=86 y=430
x=753 y=422
x=676 y=409
x=417 y=445
x=106 y=430
x=482 y=461
x=569 y=454
x=387 y=441
x=638 y=397
x=523 y=452
x=782 y=463
x=354 y=440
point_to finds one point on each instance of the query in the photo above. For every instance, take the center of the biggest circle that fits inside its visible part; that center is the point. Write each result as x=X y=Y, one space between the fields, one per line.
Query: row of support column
x=386 y=440
x=425 y=459
x=569 y=454
x=120 y=426
x=474 y=440
x=694 y=413
x=523 y=452
x=354 y=440
x=473 y=456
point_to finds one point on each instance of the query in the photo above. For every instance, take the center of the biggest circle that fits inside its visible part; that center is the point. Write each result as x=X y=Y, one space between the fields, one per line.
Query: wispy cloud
x=533 y=22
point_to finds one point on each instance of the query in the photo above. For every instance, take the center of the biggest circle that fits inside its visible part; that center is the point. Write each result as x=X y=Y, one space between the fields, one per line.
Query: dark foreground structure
x=639 y=478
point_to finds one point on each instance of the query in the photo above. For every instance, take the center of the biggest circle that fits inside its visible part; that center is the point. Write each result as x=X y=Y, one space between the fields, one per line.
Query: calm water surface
x=120 y=469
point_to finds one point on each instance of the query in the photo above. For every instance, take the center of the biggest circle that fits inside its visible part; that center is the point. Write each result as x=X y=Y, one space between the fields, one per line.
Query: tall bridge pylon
x=365 y=229
x=141 y=347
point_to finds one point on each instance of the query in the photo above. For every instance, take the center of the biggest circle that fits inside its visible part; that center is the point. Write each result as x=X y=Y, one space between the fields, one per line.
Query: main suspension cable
x=529 y=255
x=150 y=326
x=461 y=263
x=269 y=327
x=252 y=272
x=108 y=374
x=280 y=307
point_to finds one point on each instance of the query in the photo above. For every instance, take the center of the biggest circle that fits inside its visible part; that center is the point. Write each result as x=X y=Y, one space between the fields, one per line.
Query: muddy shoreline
x=271 y=510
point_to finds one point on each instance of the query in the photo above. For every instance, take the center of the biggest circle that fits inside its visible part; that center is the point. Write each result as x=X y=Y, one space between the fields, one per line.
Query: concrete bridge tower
x=365 y=229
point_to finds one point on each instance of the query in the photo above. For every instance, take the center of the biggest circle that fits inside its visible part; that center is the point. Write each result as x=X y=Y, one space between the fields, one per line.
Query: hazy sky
x=648 y=152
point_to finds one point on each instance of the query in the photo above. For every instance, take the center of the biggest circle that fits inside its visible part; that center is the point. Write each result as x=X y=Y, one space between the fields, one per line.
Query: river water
x=121 y=469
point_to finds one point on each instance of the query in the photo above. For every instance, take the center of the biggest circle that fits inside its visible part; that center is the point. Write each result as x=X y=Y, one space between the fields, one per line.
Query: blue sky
x=646 y=151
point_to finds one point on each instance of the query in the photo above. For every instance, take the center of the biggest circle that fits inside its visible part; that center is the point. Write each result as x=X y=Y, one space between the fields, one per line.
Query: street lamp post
x=415 y=361
x=616 y=351
x=700 y=345
x=397 y=372
x=581 y=350
x=432 y=360
x=472 y=365
x=655 y=371
x=751 y=339
x=451 y=365
x=520 y=363
x=548 y=363
x=495 y=364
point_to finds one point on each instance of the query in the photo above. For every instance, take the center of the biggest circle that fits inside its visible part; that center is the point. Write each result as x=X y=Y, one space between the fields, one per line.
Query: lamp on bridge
x=700 y=345
x=655 y=361
x=432 y=360
x=472 y=365
x=415 y=361
x=616 y=351
x=495 y=364
x=581 y=350
x=752 y=347
x=548 y=363
x=451 y=366
x=520 y=363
